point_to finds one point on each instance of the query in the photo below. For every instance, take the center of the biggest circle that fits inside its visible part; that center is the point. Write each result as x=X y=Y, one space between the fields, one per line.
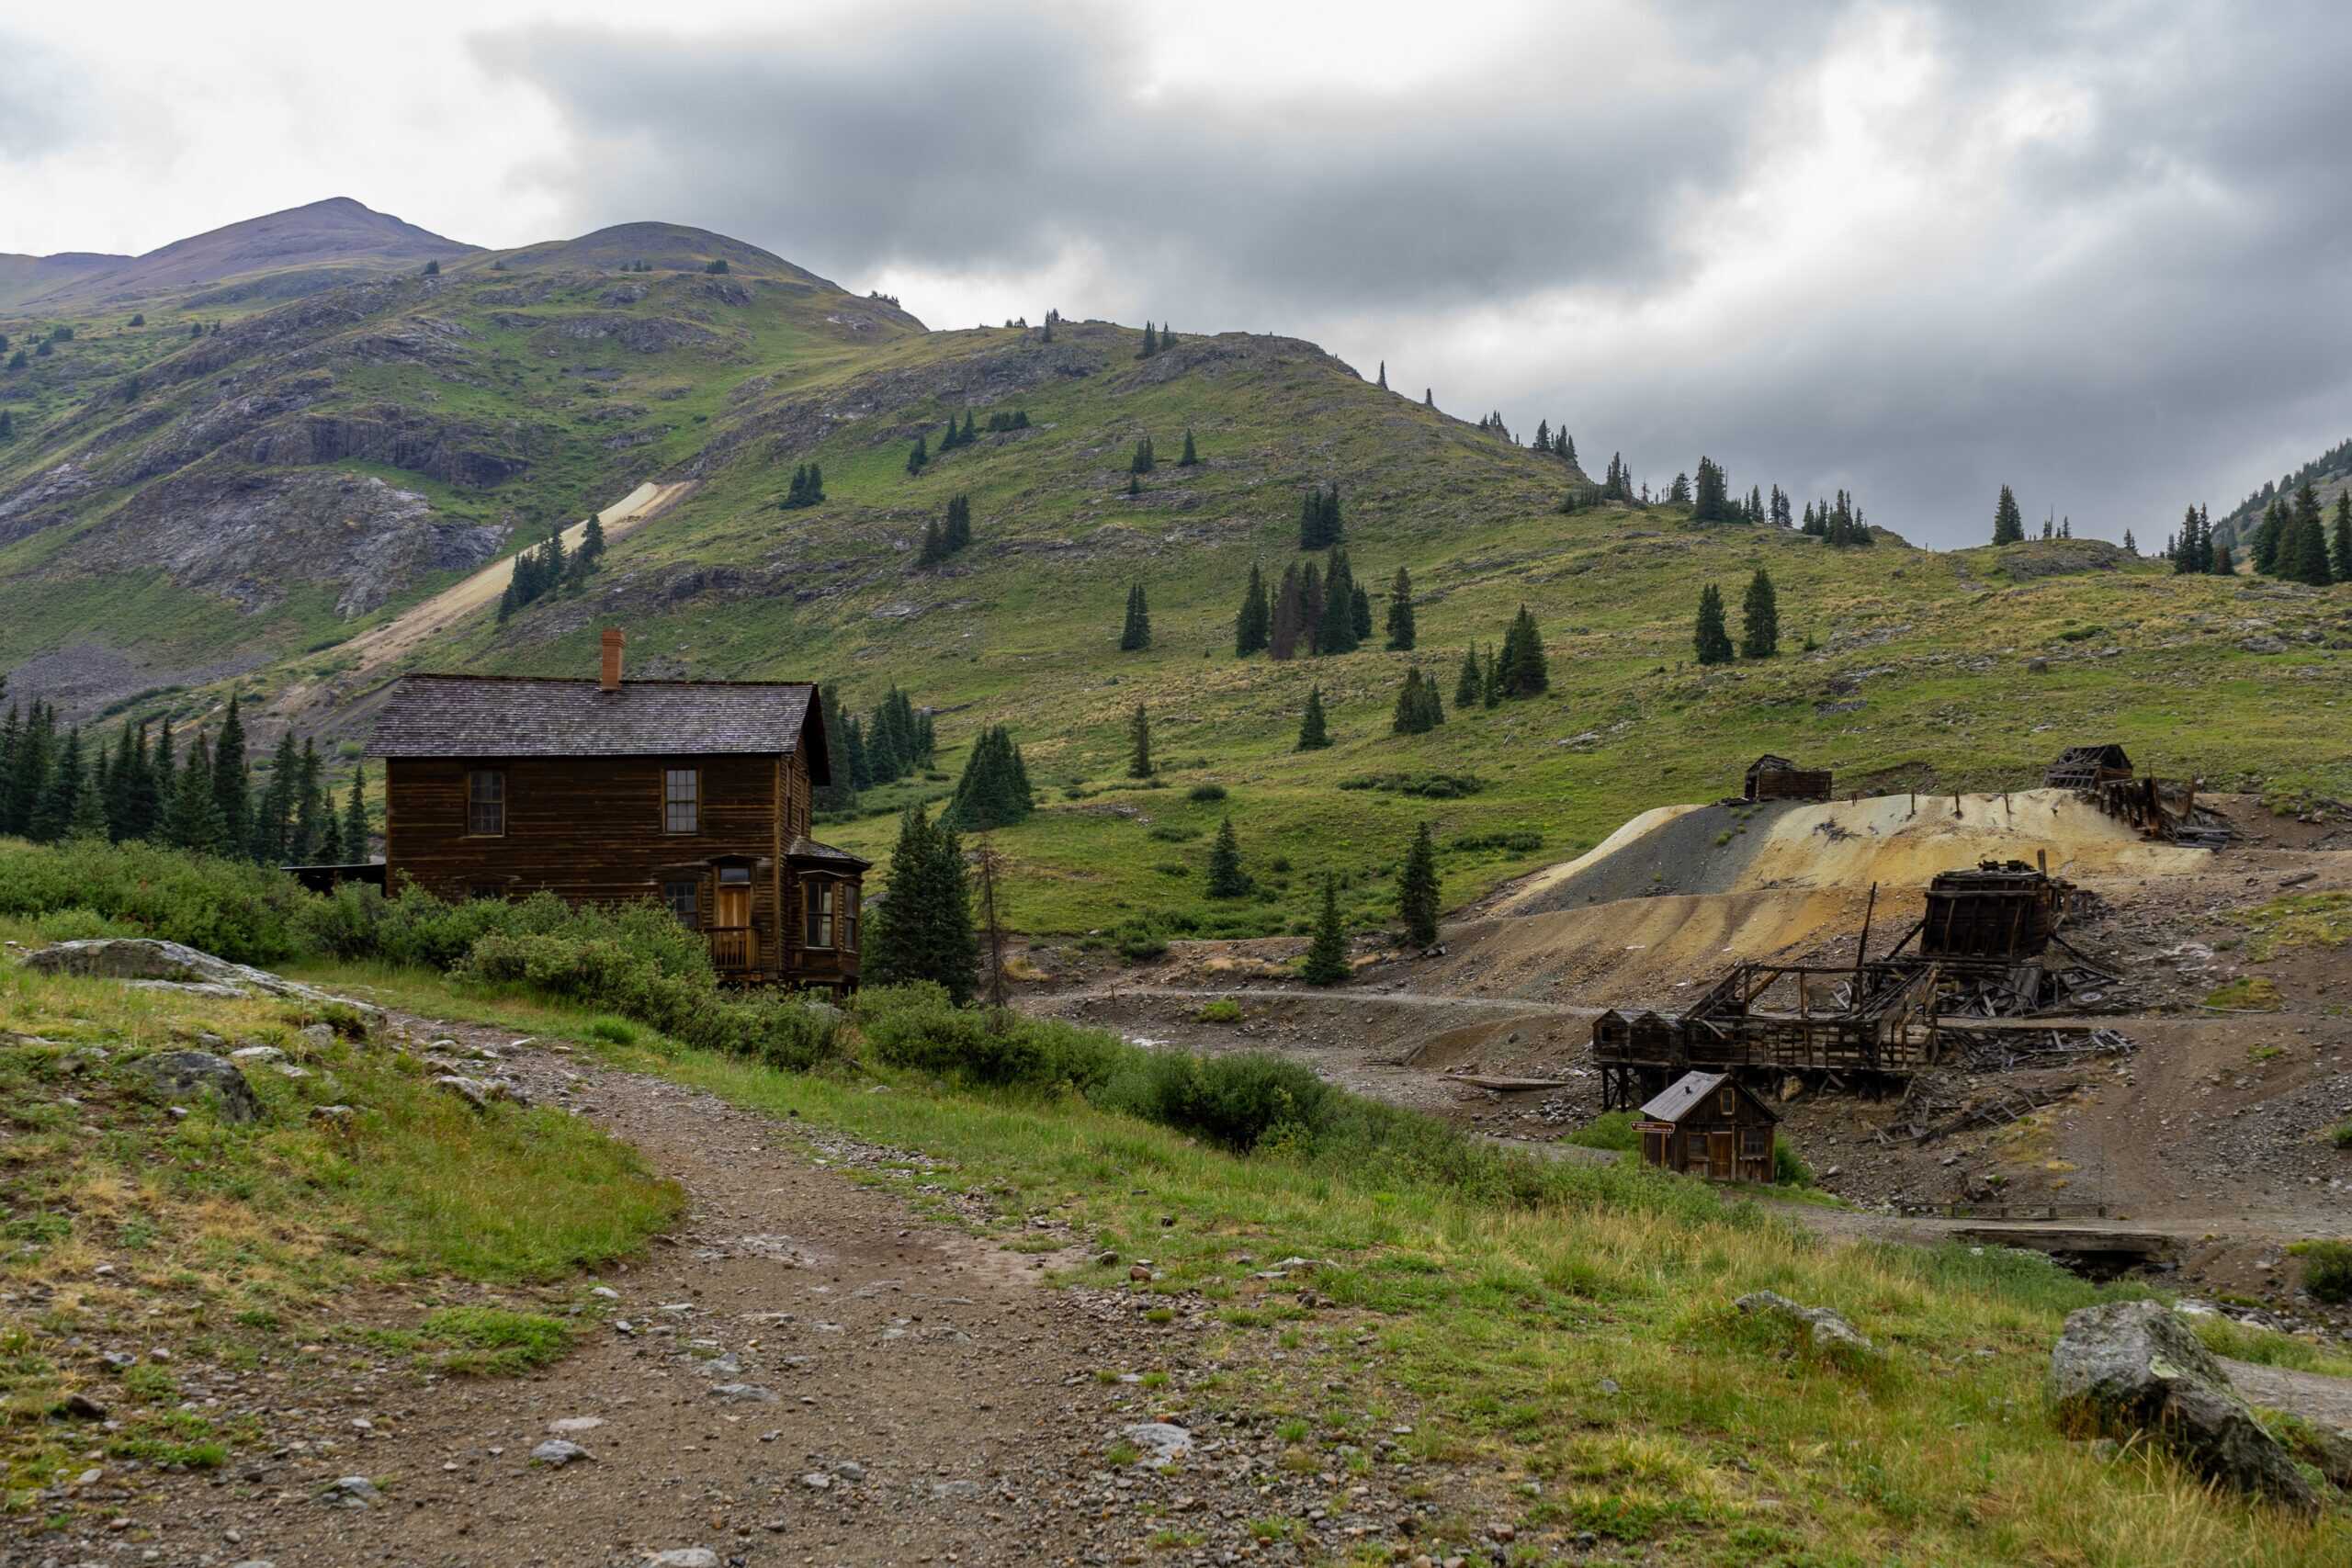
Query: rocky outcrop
x=474 y=455
x=188 y=1074
x=32 y=507
x=2132 y=1370
x=1827 y=1332
x=149 y=961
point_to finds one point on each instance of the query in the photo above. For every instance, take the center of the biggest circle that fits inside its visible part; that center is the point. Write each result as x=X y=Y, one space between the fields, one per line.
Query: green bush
x=2327 y=1269
x=247 y=913
x=1232 y=1100
x=2341 y=1134
x=1207 y=792
x=1789 y=1169
x=1609 y=1130
x=1428 y=786
x=916 y=1026
x=1516 y=843
x=1224 y=1009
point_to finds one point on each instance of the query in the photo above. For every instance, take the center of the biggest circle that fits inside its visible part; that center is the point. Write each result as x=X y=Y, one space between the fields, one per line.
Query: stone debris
x=1162 y=1442
x=184 y=1073
x=559 y=1452
x=1828 y=1331
x=351 y=1491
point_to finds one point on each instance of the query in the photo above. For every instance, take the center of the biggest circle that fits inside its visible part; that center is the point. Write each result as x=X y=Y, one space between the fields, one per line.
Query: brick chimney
x=611 y=679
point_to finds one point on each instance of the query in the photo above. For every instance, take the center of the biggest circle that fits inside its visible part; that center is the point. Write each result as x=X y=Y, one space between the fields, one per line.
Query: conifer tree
x=935 y=547
x=861 y=758
x=839 y=792
x=1417 y=891
x=1400 y=612
x=1428 y=397
x=1713 y=642
x=194 y=822
x=1143 y=462
x=2130 y=545
x=273 y=829
x=58 y=791
x=1709 y=504
x=1359 y=614
x=1289 y=617
x=2308 y=562
x=2008 y=521
x=1680 y=494
x=88 y=824
x=1327 y=955
x=1490 y=680
x=994 y=791
x=1225 y=878
x=1469 y=686
x=1139 y=745
x=1312 y=735
x=1415 y=703
x=1759 y=618
x=1135 y=634
x=1337 y=632
x=1255 y=623
x=1191 y=460
x=2343 y=550
x=1150 y=343
x=311 y=809
x=232 y=781
x=1525 y=671
x=592 y=539
x=922 y=924
x=165 y=773
x=1382 y=383
x=354 y=820
x=917 y=454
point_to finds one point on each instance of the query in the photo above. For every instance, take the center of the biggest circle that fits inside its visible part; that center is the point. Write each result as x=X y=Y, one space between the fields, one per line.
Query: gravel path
x=805 y=1372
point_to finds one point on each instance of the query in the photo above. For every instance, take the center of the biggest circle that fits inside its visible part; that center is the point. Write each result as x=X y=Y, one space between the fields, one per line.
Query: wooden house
x=1777 y=778
x=694 y=792
x=1706 y=1124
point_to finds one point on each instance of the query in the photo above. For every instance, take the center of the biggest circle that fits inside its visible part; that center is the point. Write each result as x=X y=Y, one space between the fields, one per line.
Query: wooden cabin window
x=847 y=924
x=681 y=800
x=486 y=802
x=1752 y=1141
x=1729 y=1102
x=684 y=900
x=817 y=897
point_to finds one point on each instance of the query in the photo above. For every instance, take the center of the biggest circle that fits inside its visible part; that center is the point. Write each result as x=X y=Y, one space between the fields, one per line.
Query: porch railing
x=734 y=947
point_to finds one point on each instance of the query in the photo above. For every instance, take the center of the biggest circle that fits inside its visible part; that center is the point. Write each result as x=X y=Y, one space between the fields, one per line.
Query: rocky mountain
x=266 y=495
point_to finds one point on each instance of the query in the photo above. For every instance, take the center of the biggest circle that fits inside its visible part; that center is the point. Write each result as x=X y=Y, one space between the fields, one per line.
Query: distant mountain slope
x=2330 y=474
x=24 y=277
x=665 y=247
x=337 y=232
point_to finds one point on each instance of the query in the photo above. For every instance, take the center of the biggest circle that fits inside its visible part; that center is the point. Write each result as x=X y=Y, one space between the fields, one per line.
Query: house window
x=681 y=800
x=486 y=802
x=1751 y=1142
x=485 y=890
x=1728 y=1102
x=848 y=921
x=816 y=898
x=685 y=898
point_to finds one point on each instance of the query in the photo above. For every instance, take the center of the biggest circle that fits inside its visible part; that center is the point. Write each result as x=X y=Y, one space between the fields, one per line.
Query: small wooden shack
x=2004 y=910
x=2088 y=767
x=1706 y=1124
x=1777 y=778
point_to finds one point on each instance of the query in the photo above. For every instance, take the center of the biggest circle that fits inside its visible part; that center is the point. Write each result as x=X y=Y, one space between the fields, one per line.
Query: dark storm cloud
x=986 y=141
x=2130 y=285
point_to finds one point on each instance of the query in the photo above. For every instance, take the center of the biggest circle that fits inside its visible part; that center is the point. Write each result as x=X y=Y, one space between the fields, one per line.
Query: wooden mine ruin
x=1707 y=1124
x=1777 y=778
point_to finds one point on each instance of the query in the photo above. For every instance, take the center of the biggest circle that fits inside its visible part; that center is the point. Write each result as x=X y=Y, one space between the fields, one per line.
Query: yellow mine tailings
x=1896 y=841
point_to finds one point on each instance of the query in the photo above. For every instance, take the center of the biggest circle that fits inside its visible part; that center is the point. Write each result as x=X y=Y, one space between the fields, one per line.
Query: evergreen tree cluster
x=1554 y=442
x=994 y=791
x=1000 y=423
x=1839 y=523
x=891 y=744
x=1710 y=500
x=1144 y=461
x=1617 y=482
x=953 y=436
x=1319 y=525
x=1418 y=711
x=940 y=539
x=1523 y=671
x=2295 y=543
x=808 y=487
x=1254 y=623
x=55 y=786
x=1155 y=340
x=1493 y=424
x=922 y=928
x=548 y=567
x=2194 y=549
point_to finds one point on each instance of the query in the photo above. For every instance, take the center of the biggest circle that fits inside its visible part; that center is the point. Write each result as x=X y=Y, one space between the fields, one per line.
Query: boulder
x=2133 y=1369
x=152 y=961
x=1828 y=1331
x=181 y=1075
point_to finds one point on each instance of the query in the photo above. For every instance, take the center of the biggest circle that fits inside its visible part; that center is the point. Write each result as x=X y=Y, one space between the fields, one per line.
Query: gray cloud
x=43 y=105
x=2096 y=252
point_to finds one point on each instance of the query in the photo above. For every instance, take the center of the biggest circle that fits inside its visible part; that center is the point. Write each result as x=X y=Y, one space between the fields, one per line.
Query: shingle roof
x=497 y=715
x=1684 y=1094
x=806 y=848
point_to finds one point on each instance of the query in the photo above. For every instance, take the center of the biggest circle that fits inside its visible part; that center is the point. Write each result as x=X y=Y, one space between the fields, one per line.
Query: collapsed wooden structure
x=1988 y=946
x=2084 y=767
x=2103 y=775
x=1777 y=778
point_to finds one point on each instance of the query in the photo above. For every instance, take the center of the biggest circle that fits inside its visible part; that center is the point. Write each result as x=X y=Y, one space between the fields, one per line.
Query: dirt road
x=805 y=1372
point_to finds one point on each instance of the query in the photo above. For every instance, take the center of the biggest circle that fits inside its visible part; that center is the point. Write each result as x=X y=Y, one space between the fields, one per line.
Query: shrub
x=1141 y=945
x=1224 y=1009
x=1515 y=842
x=1232 y=1100
x=2341 y=1134
x=2327 y=1269
x=1789 y=1169
x=1207 y=792
x=1609 y=1130
x=246 y=913
x=1428 y=786
x=916 y=1026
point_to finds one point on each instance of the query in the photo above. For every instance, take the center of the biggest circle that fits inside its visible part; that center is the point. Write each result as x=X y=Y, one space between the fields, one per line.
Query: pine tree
x=1680 y=494
x=1413 y=705
x=232 y=781
x=2344 y=537
x=273 y=831
x=1428 y=397
x=1712 y=640
x=2304 y=558
x=1252 y=626
x=1759 y=618
x=1191 y=460
x=1382 y=383
x=311 y=809
x=354 y=820
x=934 y=549
x=1417 y=891
x=2184 y=550
x=1710 y=501
x=1490 y=680
x=1139 y=745
x=1150 y=343
x=2009 y=522
x=592 y=539
x=1312 y=735
x=194 y=820
x=922 y=924
x=58 y=796
x=1525 y=671
x=1401 y=612
x=2130 y=545
x=1289 y=617
x=1327 y=955
x=917 y=454
x=861 y=757
x=1225 y=878
x=838 y=793
x=1469 y=686
x=89 y=823
x=1143 y=462
x=1359 y=614
x=994 y=791
x=1135 y=634
x=1337 y=631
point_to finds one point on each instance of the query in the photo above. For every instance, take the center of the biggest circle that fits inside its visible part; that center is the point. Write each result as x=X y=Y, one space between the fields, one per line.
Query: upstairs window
x=486 y=802
x=818 y=899
x=681 y=800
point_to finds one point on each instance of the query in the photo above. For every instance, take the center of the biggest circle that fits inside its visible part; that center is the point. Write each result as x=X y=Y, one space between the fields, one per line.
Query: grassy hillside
x=501 y=400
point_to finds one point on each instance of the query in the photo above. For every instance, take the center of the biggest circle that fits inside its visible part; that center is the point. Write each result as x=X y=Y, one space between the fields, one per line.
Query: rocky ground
x=821 y=1365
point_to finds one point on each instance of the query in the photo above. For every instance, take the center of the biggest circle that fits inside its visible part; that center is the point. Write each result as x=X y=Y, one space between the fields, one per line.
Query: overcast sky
x=2100 y=251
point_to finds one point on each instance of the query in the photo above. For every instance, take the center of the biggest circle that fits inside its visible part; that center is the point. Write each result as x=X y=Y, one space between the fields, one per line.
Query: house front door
x=733 y=945
x=1719 y=1164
